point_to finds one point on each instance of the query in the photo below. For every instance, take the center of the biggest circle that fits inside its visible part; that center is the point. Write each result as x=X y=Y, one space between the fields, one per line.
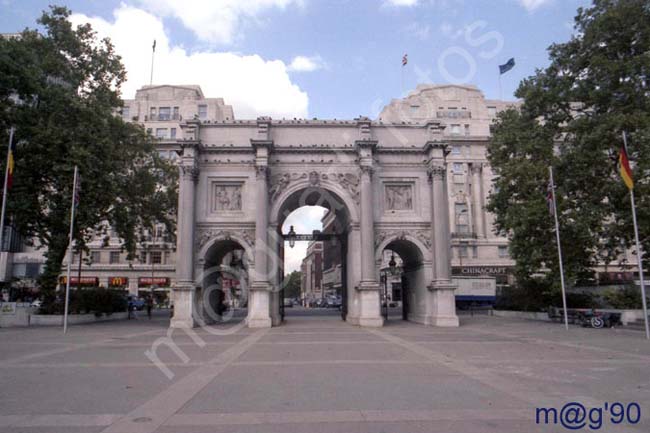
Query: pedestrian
x=149 y=306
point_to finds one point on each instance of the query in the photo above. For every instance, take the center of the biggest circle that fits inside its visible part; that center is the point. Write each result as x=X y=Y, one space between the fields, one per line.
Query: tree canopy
x=572 y=117
x=60 y=89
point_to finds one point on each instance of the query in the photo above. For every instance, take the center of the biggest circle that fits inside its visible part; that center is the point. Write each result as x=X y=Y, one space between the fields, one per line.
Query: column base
x=445 y=321
x=186 y=323
x=259 y=323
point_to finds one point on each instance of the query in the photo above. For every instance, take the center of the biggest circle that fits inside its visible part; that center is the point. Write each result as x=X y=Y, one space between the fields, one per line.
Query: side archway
x=415 y=273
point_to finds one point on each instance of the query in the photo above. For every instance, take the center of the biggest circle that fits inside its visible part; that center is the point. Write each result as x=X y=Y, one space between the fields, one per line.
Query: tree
x=60 y=89
x=292 y=287
x=572 y=117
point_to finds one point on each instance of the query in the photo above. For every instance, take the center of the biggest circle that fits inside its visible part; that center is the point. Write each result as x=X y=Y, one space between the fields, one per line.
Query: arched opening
x=403 y=281
x=320 y=218
x=222 y=295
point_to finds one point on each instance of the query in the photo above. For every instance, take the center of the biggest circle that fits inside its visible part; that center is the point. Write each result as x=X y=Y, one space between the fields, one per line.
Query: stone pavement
x=316 y=374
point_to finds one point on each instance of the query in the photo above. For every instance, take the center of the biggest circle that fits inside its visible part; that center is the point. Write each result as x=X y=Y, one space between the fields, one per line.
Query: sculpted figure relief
x=399 y=197
x=228 y=198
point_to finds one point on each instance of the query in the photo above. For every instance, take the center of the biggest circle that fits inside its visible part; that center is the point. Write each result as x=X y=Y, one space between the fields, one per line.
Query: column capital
x=189 y=170
x=476 y=167
x=437 y=171
x=262 y=172
x=366 y=170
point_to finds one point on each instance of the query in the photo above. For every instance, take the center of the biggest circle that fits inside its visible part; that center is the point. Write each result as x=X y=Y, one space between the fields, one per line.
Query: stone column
x=477 y=200
x=370 y=312
x=184 y=290
x=443 y=311
x=259 y=305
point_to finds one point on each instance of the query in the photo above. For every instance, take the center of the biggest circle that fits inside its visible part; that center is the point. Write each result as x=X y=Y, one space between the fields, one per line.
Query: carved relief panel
x=226 y=197
x=399 y=196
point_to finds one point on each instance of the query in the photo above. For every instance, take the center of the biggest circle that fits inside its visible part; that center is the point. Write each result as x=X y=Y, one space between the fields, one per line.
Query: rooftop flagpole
x=153 y=52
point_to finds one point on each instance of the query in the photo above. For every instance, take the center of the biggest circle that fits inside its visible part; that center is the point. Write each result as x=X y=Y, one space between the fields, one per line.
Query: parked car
x=36 y=303
x=136 y=303
x=288 y=303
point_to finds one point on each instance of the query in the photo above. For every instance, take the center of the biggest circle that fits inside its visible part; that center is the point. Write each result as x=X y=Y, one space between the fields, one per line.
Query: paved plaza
x=316 y=374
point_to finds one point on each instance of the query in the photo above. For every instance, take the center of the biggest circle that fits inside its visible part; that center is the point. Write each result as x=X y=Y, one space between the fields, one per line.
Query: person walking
x=149 y=306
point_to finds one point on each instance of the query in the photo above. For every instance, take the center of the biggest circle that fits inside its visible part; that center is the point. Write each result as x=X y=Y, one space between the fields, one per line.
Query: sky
x=333 y=59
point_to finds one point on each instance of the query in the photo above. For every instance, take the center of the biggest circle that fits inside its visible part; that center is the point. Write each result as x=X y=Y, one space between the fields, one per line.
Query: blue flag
x=507 y=66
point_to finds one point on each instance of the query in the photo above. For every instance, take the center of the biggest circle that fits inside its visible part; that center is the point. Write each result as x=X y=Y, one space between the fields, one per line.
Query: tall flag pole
x=9 y=176
x=626 y=174
x=75 y=203
x=153 y=52
x=553 y=209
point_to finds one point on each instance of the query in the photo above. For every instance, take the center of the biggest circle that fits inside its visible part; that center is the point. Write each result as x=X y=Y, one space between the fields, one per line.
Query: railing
x=162 y=117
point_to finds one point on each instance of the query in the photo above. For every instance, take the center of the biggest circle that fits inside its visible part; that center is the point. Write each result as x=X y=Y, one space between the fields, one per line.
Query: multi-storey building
x=311 y=285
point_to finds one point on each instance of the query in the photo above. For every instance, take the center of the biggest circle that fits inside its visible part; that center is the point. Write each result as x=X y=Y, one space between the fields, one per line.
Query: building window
x=492 y=111
x=172 y=133
x=462 y=218
x=457 y=167
x=462 y=251
x=503 y=251
x=114 y=257
x=164 y=113
x=155 y=258
x=143 y=257
x=454 y=129
x=126 y=112
x=466 y=129
x=203 y=111
x=152 y=113
x=176 y=114
x=414 y=109
x=456 y=150
x=96 y=256
x=161 y=132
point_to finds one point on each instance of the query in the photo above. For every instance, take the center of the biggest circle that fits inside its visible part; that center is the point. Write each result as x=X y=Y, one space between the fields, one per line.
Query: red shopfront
x=153 y=282
x=83 y=282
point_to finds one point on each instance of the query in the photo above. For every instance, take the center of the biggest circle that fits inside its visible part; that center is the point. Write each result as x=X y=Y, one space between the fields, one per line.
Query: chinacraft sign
x=483 y=270
x=153 y=281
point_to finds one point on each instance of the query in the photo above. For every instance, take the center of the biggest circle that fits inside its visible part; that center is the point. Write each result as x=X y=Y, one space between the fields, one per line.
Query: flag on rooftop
x=507 y=66
x=405 y=59
x=10 y=164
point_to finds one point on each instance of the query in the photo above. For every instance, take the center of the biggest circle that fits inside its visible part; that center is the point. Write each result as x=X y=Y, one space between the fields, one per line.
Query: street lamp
x=392 y=266
x=292 y=237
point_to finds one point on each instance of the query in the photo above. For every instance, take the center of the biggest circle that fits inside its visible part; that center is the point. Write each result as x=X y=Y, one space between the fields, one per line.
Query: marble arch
x=237 y=177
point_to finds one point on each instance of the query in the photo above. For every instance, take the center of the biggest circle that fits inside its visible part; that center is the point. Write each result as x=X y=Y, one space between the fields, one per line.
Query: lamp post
x=292 y=237
x=391 y=269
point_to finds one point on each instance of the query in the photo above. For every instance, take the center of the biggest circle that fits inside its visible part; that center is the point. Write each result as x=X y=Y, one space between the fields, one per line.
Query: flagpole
x=153 y=52
x=500 y=92
x=4 y=192
x=638 y=254
x=559 y=249
x=67 y=280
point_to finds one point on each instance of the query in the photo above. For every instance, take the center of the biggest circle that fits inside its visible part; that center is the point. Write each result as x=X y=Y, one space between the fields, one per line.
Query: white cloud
x=215 y=21
x=398 y=3
x=531 y=5
x=304 y=220
x=306 y=64
x=253 y=85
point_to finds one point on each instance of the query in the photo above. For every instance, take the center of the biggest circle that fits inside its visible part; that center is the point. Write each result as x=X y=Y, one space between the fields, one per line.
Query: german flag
x=10 y=163
x=624 y=168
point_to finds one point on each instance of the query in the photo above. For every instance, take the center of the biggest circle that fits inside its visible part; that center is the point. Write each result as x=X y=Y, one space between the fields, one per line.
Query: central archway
x=317 y=190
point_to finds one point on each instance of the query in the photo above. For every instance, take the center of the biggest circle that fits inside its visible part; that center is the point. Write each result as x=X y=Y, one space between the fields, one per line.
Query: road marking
x=152 y=414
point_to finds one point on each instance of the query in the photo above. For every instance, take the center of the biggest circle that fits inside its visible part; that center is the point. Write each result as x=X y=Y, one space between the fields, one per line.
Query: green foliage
x=60 y=89
x=97 y=300
x=292 y=287
x=572 y=117
x=627 y=298
x=537 y=294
